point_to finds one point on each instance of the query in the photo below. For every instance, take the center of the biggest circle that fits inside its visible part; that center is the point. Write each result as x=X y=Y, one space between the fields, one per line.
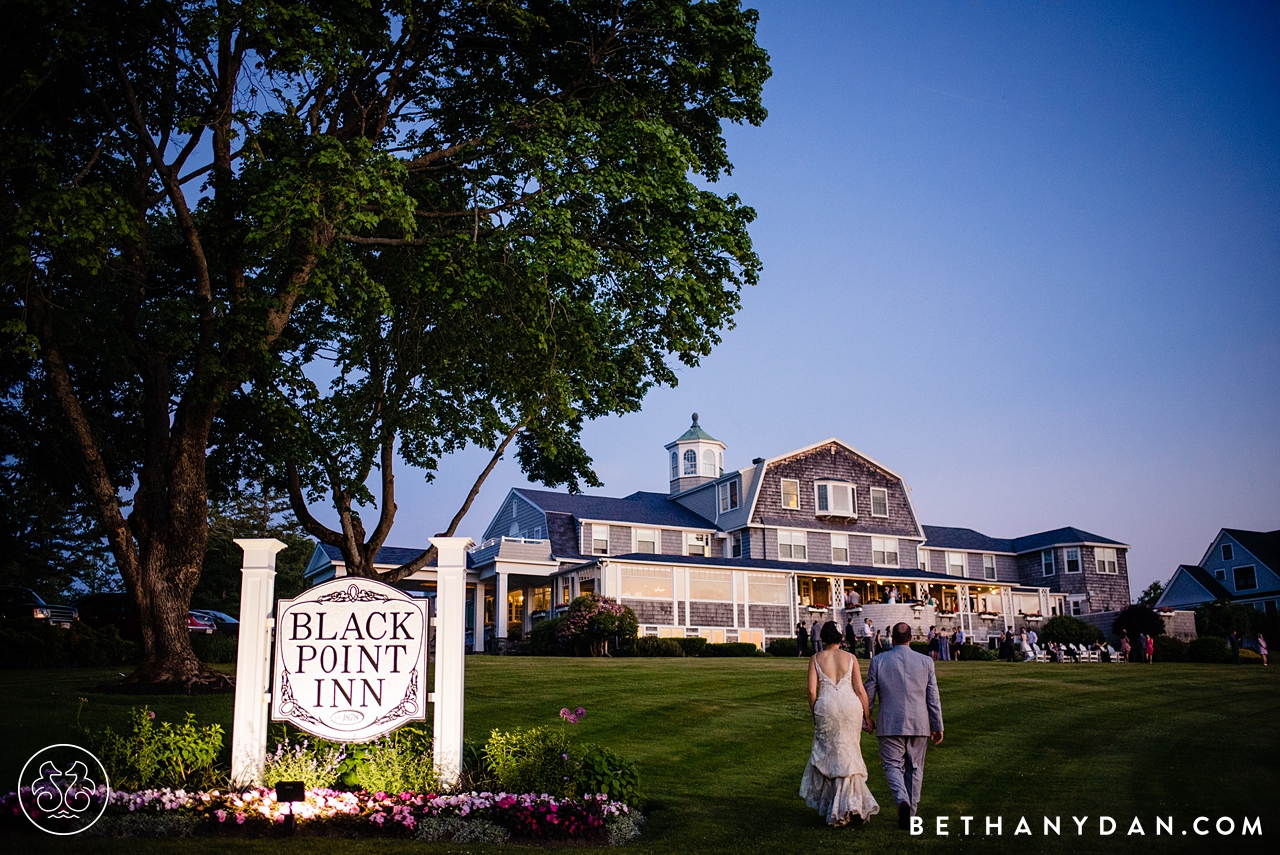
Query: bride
x=835 y=780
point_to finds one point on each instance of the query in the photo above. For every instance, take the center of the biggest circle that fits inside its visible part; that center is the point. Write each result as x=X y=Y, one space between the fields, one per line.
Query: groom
x=910 y=713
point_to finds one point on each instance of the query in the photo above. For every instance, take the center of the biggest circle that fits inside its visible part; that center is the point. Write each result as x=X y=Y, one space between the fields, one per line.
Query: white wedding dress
x=835 y=779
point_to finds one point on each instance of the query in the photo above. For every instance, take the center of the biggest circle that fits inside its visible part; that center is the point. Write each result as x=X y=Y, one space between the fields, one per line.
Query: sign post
x=450 y=659
x=253 y=659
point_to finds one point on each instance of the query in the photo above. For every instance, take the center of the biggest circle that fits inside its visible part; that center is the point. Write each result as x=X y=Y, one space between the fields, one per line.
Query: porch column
x=500 y=606
x=526 y=612
x=477 y=637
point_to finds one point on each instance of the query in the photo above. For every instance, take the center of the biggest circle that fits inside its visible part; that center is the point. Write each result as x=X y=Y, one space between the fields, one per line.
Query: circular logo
x=63 y=789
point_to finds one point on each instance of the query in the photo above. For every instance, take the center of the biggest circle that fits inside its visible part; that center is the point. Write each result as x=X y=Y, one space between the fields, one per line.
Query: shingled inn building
x=820 y=533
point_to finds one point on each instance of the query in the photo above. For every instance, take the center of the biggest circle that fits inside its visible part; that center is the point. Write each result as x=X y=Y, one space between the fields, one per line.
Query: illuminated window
x=790 y=493
x=767 y=588
x=711 y=585
x=640 y=581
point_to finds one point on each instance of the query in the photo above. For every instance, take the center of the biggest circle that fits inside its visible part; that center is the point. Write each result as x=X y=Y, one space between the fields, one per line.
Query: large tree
x=200 y=198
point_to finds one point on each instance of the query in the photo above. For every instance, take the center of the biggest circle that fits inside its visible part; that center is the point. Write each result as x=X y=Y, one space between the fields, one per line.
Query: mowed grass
x=721 y=745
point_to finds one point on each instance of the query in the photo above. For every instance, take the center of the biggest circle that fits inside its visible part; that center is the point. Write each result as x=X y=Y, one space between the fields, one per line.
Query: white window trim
x=835 y=482
x=1235 y=570
x=995 y=571
x=872 y=494
x=782 y=495
x=792 y=532
x=692 y=537
x=845 y=547
x=725 y=495
x=1096 y=562
x=1223 y=552
x=1066 y=560
x=738 y=535
x=1053 y=563
x=964 y=565
x=657 y=540
x=896 y=547
x=922 y=555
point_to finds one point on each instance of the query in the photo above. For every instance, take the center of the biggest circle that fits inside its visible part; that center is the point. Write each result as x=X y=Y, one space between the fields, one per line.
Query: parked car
x=26 y=603
x=120 y=611
x=225 y=623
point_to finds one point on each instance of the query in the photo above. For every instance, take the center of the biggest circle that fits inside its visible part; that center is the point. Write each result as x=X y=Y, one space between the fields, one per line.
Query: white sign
x=350 y=653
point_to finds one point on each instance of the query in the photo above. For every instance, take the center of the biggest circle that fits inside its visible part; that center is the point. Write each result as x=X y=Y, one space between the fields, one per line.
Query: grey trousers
x=903 y=761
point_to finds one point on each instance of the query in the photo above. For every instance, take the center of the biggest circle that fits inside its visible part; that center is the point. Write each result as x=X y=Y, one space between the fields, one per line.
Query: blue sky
x=1027 y=255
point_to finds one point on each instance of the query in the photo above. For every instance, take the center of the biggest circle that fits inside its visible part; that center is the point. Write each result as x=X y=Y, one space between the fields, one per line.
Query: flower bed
x=496 y=816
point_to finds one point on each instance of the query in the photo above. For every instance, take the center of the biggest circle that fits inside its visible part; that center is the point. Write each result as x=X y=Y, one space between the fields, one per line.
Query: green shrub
x=399 y=762
x=29 y=643
x=315 y=764
x=544 y=639
x=974 y=653
x=1170 y=649
x=732 y=648
x=592 y=623
x=782 y=647
x=179 y=756
x=1208 y=648
x=602 y=771
x=1066 y=629
x=920 y=647
x=1249 y=657
x=651 y=646
x=218 y=649
x=696 y=646
x=537 y=760
x=1137 y=620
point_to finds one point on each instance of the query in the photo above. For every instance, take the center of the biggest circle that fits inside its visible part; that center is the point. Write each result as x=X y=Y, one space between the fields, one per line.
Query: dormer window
x=879 y=502
x=729 y=496
x=790 y=493
x=835 y=499
x=1228 y=554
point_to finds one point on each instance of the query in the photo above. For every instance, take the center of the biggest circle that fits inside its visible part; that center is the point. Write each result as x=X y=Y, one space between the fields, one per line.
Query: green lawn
x=721 y=744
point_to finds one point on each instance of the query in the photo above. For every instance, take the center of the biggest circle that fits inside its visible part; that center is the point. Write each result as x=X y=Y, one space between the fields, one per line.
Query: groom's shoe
x=904 y=816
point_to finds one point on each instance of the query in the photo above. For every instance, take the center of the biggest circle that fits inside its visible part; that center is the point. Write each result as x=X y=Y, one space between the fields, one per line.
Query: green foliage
x=399 y=762
x=315 y=764
x=1170 y=649
x=732 y=648
x=1222 y=616
x=1209 y=648
x=592 y=623
x=1066 y=629
x=460 y=830
x=696 y=646
x=217 y=648
x=30 y=643
x=782 y=647
x=1249 y=657
x=975 y=653
x=1151 y=594
x=920 y=647
x=544 y=639
x=170 y=755
x=602 y=771
x=652 y=646
x=533 y=760
x=1136 y=620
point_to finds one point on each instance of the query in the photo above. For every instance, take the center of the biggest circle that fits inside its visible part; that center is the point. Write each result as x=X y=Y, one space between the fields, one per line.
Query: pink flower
x=571 y=718
x=221 y=815
x=151 y=715
x=580 y=712
x=564 y=713
x=240 y=817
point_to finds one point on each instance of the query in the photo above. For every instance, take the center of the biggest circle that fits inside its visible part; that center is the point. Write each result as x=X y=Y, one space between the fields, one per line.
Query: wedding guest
x=850 y=637
x=867 y=634
x=802 y=640
x=1234 y=640
x=944 y=647
x=931 y=641
x=879 y=642
x=813 y=636
x=1125 y=646
x=1262 y=648
x=1151 y=649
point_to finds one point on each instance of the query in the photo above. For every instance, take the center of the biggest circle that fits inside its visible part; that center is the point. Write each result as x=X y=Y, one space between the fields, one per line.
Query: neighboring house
x=820 y=533
x=1240 y=567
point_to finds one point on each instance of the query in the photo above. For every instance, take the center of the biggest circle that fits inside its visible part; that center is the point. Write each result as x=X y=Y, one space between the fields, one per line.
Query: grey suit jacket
x=908 y=689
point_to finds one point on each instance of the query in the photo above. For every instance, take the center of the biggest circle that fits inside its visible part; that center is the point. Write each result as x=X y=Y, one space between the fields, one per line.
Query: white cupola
x=695 y=458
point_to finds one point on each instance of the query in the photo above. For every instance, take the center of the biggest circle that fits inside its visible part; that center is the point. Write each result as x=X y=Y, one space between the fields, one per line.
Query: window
x=955 y=564
x=729 y=496
x=709 y=468
x=879 y=502
x=647 y=540
x=735 y=545
x=834 y=499
x=1246 y=579
x=988 y=567
x=1046 y=562
x=691 y=462
x=646 y=581
x=537 y=532
x=1106 y=559
x=884 y=551
x=566 y=591
x=599 y=540
x=1077 y=606
x=541 y=599
x=1073 y=561
x=675 y=466
x=711 y=585
x=1228 y=554
x=697 y=544
x=922 y=556
x=793 y=545
x=790 y=493
x=767 y=588
x=839 y=549
x=1220 y=574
